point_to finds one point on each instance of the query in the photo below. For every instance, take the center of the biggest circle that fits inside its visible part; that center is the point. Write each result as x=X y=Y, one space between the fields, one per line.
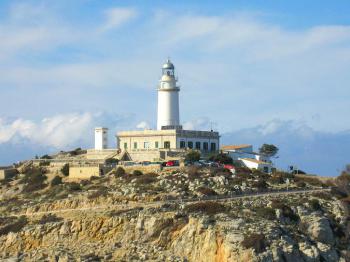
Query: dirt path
x=131 y=205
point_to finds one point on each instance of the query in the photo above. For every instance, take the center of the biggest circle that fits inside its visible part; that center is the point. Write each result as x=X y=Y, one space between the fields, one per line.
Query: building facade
x=206 y=141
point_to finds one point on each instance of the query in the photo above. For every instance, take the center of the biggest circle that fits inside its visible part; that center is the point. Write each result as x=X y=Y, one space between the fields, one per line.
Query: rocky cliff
x=118 y=218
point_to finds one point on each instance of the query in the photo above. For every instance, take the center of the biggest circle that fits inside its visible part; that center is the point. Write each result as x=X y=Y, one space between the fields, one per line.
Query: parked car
x=170 y=163
x=231 y=168
x=199 y=164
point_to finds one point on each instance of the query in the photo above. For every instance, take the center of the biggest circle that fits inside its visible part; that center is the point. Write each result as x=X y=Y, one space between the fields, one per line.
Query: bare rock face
x=131 y=220
x=309 y=252
x=319 y=230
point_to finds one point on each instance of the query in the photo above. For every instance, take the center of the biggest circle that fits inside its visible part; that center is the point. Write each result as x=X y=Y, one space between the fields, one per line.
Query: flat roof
x=255 y=161
x=232 y=147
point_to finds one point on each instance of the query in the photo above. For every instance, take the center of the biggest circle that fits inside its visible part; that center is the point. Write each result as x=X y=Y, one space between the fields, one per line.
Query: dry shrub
x=119 y=171
x=308 y=180
x=243 y=171
x=266 y=212
x=255 y=241
x=146 y=179
x=276 y=179
x=261 y=185
x=100 y=192
x=49 y=218
x=286 y=210
x=33 y=180
x=209 y=208
x=206 y=191
x=193 y=172
x=323 y=195
x=14 y=226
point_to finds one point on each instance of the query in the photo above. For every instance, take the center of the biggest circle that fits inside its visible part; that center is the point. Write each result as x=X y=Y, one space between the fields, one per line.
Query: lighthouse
x=168 y=99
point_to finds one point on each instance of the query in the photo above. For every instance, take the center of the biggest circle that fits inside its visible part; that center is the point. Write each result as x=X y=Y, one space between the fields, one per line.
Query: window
x=146 y=145
x=135 y=145
x=205 y=146
x=212 y=147
x=190 y=144
x=156 y=145
x=125 y=145
x=198 y=145
x=182 y=144
x=167 y=144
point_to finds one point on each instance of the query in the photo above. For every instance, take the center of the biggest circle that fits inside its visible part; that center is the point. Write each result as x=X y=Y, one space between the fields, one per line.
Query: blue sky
x=67 y=66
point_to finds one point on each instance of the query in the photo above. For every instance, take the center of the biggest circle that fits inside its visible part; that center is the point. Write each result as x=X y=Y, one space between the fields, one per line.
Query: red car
x=231 y=168
x=172 y=163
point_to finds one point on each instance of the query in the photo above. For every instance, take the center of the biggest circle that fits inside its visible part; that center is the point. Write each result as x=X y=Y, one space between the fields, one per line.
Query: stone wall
x=86 y=172
x=143 y=169
x=7 y=173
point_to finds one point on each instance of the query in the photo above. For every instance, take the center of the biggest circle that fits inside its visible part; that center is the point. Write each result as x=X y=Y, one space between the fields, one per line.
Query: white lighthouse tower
x=168 y=99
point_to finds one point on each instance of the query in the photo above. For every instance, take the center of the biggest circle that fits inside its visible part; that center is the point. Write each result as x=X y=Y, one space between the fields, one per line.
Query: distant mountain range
x=315 y=152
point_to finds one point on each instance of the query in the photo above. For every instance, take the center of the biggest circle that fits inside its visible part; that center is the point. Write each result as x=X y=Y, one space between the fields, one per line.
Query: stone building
x=170 y=139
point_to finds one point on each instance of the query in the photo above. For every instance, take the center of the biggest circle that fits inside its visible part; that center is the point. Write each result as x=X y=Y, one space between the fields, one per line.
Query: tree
x=193 y=156
x=222 y=158
x=268 y=150
x=65 y=170
x=56 y=181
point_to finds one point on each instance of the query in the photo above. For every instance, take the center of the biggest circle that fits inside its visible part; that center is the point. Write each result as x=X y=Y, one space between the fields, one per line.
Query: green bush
x=315 y=204
x=137 y=173
x=73 y=186
x=266 y=212
x=46 y=157
x=255 y=241
x=56 y=181
x=209 y=208
x=193 y=156
x=119 y=171
x=65 y=170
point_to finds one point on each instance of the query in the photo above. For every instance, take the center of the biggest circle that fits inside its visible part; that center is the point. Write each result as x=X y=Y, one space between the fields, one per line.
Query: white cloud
x=115 y=17
x=143 y=125
x=58 y=131
x=202 y=123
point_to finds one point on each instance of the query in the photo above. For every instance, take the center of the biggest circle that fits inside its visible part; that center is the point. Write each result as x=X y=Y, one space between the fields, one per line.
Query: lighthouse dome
x=168 y=65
